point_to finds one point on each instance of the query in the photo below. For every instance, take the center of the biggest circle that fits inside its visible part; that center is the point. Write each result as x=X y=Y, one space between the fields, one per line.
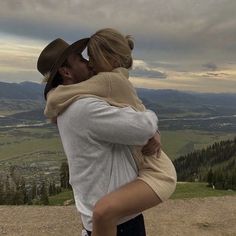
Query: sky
x=185 y=45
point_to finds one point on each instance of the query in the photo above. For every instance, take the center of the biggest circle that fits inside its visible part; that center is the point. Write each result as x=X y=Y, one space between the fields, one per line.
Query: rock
x=68 y=202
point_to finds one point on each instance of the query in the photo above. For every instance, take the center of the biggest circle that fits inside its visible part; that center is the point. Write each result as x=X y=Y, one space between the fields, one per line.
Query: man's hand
x=153 y=146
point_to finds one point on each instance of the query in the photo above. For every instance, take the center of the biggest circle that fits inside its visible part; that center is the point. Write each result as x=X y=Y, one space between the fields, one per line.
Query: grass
x=60 y=198
x=18 y=142
x=196 y=190
x=183 y=190
x=29 y=146
x=181 y=142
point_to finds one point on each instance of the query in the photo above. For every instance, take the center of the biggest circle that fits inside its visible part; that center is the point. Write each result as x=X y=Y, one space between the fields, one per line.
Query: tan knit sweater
x=113 y=87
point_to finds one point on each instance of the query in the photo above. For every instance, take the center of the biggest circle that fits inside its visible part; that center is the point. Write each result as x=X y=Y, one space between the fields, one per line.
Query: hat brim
x=77 y=47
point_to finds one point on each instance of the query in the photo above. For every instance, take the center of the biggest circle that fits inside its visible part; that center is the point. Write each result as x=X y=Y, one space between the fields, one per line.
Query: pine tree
x=23 y=190
x=1 y=193
x=18 y=198
x=34 y=190
x=64 y=175
x=44 y=194
x=8 y=196
x=210 y=177
x=50 y=190
x=221 y=154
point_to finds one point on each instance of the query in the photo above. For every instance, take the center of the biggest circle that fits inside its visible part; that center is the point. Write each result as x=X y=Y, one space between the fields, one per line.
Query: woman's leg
x=130 y=199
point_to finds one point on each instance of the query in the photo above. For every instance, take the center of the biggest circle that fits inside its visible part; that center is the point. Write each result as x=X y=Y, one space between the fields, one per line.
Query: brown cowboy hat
x=52 y=58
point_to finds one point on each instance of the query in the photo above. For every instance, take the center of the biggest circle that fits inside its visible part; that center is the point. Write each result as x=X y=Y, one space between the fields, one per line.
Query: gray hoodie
x=97 y=139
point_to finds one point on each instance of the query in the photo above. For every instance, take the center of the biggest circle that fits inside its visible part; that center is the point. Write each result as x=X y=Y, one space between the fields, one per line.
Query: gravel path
x=186 y=217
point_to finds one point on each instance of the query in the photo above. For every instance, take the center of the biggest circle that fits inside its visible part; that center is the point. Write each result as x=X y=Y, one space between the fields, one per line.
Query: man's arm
x=120 y=125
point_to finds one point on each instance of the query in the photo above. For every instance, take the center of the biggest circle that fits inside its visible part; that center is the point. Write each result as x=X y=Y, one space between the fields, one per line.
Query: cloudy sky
x=179 y=44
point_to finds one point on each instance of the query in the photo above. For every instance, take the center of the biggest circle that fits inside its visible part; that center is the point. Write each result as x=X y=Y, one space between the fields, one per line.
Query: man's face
x=78 y=68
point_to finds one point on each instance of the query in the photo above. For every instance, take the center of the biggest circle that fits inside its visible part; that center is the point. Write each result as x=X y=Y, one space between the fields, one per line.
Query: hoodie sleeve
x=119 y=125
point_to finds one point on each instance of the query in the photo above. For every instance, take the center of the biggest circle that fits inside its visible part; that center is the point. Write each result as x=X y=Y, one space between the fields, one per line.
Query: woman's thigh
x=130 y=199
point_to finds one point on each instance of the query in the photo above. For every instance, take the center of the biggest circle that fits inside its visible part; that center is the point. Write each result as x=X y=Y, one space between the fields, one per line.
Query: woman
x=110 y=57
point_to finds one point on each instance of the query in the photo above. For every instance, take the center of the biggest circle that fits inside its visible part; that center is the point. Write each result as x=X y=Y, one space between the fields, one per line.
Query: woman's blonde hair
x=110 y=48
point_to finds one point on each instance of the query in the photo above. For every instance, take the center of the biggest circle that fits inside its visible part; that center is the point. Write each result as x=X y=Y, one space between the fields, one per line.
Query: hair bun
x=130 y=42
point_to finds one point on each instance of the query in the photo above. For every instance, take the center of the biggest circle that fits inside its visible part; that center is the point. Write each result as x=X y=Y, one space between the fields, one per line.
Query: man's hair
x=109 y=45
x=58 y=79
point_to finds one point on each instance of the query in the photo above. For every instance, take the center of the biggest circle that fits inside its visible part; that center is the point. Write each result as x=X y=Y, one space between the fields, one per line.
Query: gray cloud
x=148 y=73
x=172 y=37
x=173 y=29
x=219 y=75
x=210 y=66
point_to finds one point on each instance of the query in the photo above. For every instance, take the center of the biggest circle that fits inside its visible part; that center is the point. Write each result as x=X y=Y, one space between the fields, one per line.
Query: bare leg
x=130 y=199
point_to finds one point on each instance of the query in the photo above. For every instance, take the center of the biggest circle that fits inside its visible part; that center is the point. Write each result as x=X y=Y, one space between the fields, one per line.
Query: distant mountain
x=34 y=91
x=166 y=96
x=24 y=90
x=176 y=102
x=168 y=104
x=181 y=96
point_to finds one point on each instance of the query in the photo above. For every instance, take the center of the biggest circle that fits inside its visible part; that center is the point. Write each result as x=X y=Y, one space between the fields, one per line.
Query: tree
x=64 y=175
x=52 y=189
x=44 y=194
x=22 y=188
x=8 y=196
x=210 y=177
x=1 y=193
x=34 y=190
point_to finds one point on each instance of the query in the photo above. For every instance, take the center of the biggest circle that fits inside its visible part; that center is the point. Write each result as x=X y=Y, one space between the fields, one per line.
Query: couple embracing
x=116 y=166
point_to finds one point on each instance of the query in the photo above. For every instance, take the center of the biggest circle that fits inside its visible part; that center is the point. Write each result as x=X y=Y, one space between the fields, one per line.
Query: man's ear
x=65 y=72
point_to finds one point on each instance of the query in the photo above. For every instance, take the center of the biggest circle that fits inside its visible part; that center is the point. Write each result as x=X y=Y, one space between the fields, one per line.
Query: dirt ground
x=186 y=217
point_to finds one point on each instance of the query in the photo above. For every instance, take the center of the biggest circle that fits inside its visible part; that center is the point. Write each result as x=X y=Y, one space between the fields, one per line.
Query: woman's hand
x=153 y=146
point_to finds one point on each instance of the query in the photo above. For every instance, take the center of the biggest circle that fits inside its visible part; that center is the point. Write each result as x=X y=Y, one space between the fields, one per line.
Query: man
x=96 y=136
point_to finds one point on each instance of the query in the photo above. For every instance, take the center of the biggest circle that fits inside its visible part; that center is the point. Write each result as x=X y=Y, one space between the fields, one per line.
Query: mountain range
x=34 y=91
x=24 y=90
x=27 y=98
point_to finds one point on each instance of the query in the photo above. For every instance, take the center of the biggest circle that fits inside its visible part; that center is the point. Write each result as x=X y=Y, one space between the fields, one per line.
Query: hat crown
x=52 y=58
x=50 y=55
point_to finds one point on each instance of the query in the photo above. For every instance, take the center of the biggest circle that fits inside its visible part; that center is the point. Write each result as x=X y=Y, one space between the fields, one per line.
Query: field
x=30 y=145
x=16 y=142
x=19 y=144
x=38 y=152
x=212 y=216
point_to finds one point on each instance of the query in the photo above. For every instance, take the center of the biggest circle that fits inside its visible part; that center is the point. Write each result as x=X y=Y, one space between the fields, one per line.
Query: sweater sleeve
x=120 y=125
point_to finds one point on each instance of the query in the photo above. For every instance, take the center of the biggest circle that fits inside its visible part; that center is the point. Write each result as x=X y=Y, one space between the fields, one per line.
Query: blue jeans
x=133 y=227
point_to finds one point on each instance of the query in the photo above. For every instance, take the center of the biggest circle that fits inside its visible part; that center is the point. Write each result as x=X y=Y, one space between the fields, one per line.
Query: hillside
x=212 y=216
x=219 y=158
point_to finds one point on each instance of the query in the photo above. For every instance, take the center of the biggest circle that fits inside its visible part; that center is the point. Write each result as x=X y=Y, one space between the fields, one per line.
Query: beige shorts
x=157 y=171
